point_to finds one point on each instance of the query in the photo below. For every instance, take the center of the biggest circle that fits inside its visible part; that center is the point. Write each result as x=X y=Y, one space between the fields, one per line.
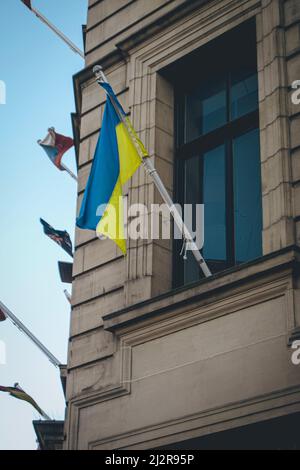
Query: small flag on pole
x=55 y=146
x=116 y=160
x=68 y=296
x=20 y=394
x=2 y=315
x=61 y=237
x=53 y=28
x=27 y=3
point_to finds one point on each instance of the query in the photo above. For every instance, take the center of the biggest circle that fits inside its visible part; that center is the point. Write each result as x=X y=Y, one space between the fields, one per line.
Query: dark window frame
x=198 y=147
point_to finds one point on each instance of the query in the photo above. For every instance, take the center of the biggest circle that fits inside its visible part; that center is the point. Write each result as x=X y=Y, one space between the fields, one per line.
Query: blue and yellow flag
x=115 y=161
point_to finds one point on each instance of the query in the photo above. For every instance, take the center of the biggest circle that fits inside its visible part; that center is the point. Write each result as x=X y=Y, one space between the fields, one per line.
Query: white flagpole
x=57 y=32
x=68 y=296
x=69 y=171
x=28 y=333
x=148 y=165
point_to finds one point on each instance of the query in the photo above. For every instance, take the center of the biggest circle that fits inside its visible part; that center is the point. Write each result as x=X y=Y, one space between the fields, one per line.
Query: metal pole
x=57 y=32
x=68 y=296
x=28 y=333
x=150 y=169
x=69 y=171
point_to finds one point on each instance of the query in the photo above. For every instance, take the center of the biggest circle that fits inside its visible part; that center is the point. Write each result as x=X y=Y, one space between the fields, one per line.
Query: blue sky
x=37 y=69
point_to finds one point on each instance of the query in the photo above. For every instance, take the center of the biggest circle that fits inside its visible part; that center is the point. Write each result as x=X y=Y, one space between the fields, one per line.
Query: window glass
x=247 y=197
x=214 y=199
x=205 y=109
x=192 y=181
x=192 y=195
x=244 y=93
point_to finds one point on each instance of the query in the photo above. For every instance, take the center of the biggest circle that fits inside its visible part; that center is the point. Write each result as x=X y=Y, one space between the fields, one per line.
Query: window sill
x=207 y=290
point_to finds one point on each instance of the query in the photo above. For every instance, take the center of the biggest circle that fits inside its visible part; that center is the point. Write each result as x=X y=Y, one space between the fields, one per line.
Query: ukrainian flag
x=116 y=159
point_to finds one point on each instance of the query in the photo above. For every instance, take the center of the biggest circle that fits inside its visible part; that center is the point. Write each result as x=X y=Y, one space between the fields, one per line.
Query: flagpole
x=150 y=169
x=28 y=333
x=69 y=171
x=57 y=32
x=68 y=296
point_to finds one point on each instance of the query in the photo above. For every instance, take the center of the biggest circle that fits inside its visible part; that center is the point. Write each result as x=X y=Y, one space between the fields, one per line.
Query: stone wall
x=134 y=40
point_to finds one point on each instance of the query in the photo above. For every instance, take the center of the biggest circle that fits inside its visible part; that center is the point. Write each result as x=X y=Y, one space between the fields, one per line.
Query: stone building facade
x=153 y=362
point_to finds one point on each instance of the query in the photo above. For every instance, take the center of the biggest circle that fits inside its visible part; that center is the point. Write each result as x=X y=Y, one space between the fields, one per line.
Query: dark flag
x=27 y=3
x=2 y=315
x=62 y=238
x=65 y=271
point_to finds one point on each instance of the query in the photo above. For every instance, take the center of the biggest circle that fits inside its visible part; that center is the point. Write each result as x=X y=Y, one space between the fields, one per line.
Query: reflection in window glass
x=191 y=196
x=205 y=109
x=192 y=181
x=214 y=199
x=244 y=94
x=247 y=197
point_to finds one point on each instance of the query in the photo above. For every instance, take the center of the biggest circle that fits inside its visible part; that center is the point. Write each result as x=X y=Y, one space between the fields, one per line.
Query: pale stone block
x=279 y=235
x=164 y=117
x=295 y=157
x=139 y=259
x=92 y=377
x=98 y=282
x=87 y=148
x=210 y=339
x=138 y=290
x=296 y=198
x=90 y=347
x=274 y=138
x=164 y=145
x=119 y=21
x=83 y=174
x=84 y=236
x=292 y=36
x=270 y=48
x=291 y=11
x=272 y=77
x=162 y=270
x=165 y=170
x=277 y=204
x=89 y=315
x=99 y=252
x=92 y=2
x=295 y=132
x=96 y=253
x=143 y=115
x=270 y=16
x=273 y=107
x=91 y=122
x=78 y=262
x=275 y=170
x=164 y=91
x=293 y=69
x=102 y=10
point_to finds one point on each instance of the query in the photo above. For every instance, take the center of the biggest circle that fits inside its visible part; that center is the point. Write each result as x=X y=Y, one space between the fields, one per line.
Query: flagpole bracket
x=98 y=71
